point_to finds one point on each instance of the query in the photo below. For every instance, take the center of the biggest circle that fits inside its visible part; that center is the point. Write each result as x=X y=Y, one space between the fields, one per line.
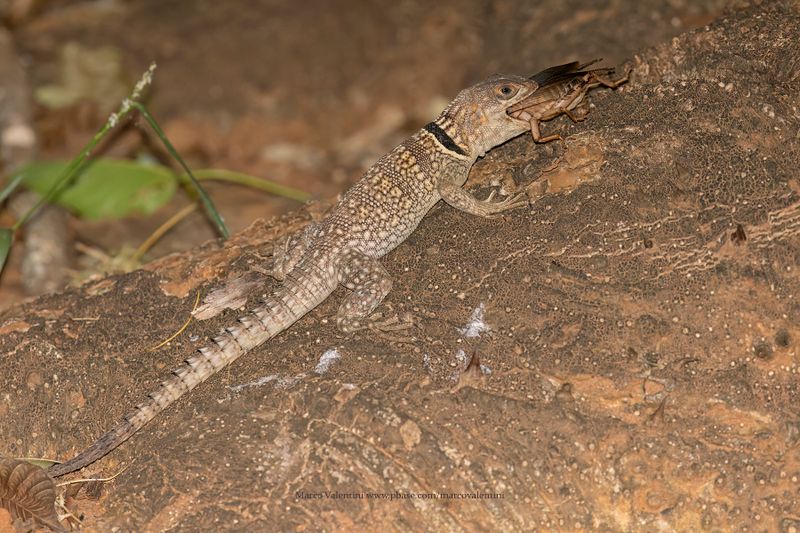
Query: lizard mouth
x=522 y=110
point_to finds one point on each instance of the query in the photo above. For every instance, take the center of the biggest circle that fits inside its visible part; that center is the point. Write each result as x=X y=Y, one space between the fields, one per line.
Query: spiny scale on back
x=378 y=213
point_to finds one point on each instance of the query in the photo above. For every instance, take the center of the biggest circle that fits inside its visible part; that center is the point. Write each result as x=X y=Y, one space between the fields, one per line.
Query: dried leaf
x=28 y=493
x=232 y=295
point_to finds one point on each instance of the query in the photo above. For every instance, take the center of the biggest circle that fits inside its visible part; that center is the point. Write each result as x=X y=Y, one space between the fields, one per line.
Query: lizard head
x=478 y=117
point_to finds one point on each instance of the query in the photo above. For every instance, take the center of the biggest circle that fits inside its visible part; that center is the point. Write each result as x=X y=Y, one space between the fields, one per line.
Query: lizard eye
x=506 y=91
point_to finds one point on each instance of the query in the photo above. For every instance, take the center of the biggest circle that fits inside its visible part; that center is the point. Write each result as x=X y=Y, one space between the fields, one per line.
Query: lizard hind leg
x=288 y=251
x=369 y=283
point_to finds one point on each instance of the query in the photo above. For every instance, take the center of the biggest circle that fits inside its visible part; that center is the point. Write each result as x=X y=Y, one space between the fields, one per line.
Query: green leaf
x=5 y=245
x=12 y=184
x=105 y=188
x=251 y=181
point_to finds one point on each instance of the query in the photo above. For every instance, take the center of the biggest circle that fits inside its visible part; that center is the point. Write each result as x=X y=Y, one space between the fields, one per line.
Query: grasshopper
x=562 y=89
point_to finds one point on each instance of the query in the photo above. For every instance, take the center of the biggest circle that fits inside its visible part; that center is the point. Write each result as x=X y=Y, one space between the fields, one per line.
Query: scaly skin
x=378 y=213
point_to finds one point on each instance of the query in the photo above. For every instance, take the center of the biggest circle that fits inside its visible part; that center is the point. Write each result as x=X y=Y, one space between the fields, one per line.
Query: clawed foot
x=510 y=202
x=386 y=326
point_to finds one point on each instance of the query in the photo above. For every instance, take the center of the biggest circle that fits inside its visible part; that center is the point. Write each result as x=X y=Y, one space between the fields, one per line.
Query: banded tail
x=304 y=288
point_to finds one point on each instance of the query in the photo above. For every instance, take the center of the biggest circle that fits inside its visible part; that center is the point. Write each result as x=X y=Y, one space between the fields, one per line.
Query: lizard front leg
x=450 y=189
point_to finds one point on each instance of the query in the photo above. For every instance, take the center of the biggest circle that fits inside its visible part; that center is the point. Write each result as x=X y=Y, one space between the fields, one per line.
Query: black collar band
x=443 y=138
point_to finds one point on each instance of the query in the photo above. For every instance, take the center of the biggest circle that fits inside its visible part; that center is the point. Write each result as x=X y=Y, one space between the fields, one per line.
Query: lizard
x=372 y=218
x=562 y=89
